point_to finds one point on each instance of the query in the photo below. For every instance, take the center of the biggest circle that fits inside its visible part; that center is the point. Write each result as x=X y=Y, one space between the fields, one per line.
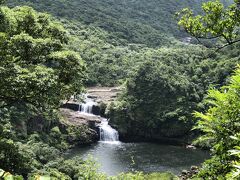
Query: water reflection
x=115 y=158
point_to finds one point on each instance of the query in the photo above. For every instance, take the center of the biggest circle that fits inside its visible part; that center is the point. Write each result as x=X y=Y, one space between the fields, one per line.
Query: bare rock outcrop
x=84 y=127
x=78 y=119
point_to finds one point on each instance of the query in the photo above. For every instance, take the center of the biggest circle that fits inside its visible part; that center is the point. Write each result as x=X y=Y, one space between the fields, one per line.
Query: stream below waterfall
x=115 y=157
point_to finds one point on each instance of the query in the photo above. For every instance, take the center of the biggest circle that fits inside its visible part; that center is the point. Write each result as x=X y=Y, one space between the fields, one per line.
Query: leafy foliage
x=216 y=22
x=37 y=71
x=236 y=164
x=219 y=124
x=141 y=176
x=161 y=94
x=33 y=59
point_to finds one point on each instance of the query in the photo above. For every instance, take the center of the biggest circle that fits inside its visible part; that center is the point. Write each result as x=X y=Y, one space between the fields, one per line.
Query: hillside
x=113 y=36
x=136 y=21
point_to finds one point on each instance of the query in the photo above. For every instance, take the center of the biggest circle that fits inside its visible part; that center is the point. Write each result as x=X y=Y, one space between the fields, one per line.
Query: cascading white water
x=87 y=106
x=107 y=133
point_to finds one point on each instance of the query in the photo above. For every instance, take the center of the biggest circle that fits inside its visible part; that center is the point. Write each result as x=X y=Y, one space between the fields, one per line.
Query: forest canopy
x=35 y=61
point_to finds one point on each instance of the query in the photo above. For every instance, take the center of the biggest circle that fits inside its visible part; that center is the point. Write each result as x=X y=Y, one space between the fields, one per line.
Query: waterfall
x=87 y=106
x=107 y=133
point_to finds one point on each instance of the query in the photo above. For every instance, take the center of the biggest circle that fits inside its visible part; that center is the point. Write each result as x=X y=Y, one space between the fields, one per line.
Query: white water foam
x=107 y=133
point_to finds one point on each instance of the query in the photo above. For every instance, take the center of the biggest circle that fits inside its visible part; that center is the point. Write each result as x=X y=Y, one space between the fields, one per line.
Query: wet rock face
x=92 y=97
x=72 y=106
x=75 y=107
x=96 y=110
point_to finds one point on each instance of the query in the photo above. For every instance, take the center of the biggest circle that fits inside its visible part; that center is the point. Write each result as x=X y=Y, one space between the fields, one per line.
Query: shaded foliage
x=219 y=124
x=161 y=95
x=37 y=71
x=34 y=61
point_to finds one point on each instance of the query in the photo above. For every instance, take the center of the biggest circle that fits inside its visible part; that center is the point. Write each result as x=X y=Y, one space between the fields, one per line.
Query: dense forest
x=125 y=21
x=176 y=63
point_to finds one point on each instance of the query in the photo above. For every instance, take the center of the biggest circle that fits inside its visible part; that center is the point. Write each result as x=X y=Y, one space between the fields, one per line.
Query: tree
x=2 y=2
x=220 y=124
x=160 y=95
x=37 y=71
x=217 y=22
x=236 y=164
x=36 y=67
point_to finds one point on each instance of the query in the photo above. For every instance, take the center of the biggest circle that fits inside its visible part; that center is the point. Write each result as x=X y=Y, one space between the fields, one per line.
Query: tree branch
x=233 y=42
x=213 y=37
